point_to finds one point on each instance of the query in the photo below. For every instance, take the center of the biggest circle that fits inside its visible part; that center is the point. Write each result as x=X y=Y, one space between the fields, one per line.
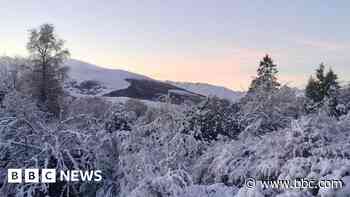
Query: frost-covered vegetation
x=203 y=150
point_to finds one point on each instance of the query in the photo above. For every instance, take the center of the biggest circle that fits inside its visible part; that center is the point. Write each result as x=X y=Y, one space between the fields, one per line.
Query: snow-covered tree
x=319 y=88
x=266 y=76
x=10 y=72
x=263 y=112
x=312 y=90
x=47 y=54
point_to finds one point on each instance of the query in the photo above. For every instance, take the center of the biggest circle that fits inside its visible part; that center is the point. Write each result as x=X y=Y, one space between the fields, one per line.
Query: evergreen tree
x=332 y=101
x=331 y=87
x=330 y=81
x=266 y=76
x=319 y=88
x=47 y=54
x=312 y=90
x=320 y=74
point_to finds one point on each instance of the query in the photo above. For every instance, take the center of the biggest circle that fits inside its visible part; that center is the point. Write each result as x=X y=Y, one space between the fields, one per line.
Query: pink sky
x=198 y=41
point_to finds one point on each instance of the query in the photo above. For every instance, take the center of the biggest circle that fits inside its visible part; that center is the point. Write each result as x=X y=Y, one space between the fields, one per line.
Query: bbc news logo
x=52 y=175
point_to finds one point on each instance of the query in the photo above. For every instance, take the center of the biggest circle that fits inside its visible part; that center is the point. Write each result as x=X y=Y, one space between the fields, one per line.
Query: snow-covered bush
x=211 y=118
x=17 y=104
x=263 y=112
x=170 y=185
x=215 y=190
x=11 y=72
x=109 y=161
x=120 y=119
x=336 y=103
x=136 y=106
x=38 y=145
x=90 y=87
x=343 y=100
x=312 y=147
x=95 y=106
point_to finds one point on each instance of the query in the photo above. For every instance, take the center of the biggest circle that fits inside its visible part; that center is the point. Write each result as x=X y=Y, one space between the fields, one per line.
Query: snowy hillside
x=209 y=90
x=89 y=79
x=110 y=79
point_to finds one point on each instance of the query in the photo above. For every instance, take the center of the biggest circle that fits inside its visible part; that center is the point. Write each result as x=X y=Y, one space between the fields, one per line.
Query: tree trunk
x=43 y=90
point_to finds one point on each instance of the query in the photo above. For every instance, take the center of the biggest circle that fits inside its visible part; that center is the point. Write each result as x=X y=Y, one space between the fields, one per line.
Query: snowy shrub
x=295 y=194
x=17 y=104
x=184 y=151
x=35 y=144
x=24 y=152
x=136 y=106
x=12 y=70
x=95 y=106
x=90 y=87
x=170 y=185
x=263 y=112
x=342 y=101
x=87 y=87
x=212 y=118
x=109 y=161
x=313 y=147
x=89 y=84
x=336 y=103
x=296 y=168
x=150 y=115
x=120 y=119
x=215 y=190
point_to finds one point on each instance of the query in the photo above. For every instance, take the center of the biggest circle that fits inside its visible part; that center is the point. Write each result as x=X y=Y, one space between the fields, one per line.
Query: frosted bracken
x=155 y=149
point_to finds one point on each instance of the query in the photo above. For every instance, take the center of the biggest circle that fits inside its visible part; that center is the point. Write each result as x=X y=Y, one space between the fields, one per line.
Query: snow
x=180 y=92
x=209 y=90
x=112 y=79
x=153 y=104
x=115 y=79
x=150 y=149
x=215 y=190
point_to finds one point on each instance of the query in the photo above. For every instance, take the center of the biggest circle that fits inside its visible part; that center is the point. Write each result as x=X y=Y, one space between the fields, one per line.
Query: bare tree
x=47 y=54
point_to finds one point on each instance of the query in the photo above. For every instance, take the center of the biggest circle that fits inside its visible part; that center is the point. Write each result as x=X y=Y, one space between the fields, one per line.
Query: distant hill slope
x=155 y=90
x=209 y=90
x=90 y=79
x=109 y=79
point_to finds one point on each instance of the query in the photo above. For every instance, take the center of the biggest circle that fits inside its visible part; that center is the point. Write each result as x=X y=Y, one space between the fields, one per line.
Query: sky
x=217 y=42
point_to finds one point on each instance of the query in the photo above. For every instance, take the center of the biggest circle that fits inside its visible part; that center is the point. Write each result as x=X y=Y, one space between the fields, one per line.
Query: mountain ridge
x=90 y=79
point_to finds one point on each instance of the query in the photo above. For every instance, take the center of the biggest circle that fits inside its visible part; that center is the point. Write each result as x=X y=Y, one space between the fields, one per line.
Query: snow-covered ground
x=151 y=149
x=209 y=90
x=153 y=104
x=112 y=79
